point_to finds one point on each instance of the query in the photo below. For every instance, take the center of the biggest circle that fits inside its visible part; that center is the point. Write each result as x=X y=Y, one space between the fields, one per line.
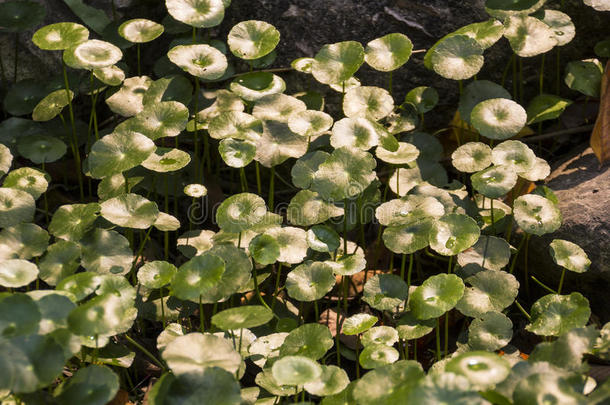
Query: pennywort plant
x=351 y=257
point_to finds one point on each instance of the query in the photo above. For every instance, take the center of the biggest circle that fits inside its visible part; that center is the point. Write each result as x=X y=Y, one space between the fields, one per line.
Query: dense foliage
x=104 y=193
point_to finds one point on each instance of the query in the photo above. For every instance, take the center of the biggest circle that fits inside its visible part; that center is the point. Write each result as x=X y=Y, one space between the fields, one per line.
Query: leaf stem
x=272 y=189
x=523 y=311
x=277 y=285
x=438 y=339
x=541 y=284
x=146 y=352
x=563 y=274
x=258 y=178
x=201 y=316
x=74 y=138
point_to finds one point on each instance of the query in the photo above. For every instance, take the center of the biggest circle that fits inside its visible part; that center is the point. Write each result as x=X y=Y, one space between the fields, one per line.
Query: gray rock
x=583 y=190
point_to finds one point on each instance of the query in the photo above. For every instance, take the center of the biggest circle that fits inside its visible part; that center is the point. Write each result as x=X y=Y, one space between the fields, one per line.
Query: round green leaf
x=303 y=170
x=278 y=143
x=489 y=290
x=50 y=106
x=358 y=132
x=237 y=153
x=486 y=33
x=471 y=157
x=423 y=98
x=92 y=54
x=503 y=8
x=331 y=381
x=346 y=173
x=16 y=206
x=310 y=281
x=195 y=190
x=482 y=369
x=585 y=76
x=41 y=148
x=409 y=327
x=536 y=214
x=60 y=36
x=385 y=335
x=166 y=222
x=388 y=52
x=385 y=292
x=23 y=241
x=514 y=154
x=249 y=316
x=409 y=238
x=357 y=324
x=388 y=384
x=457 y=57
x=106 y=252
x=437 y=295
x=447 y=388
x=119 y=152
x=19 y=16
x=554 y=315
x=6 y=159
x=28 y=179
x=492 y=331
x=561 y=24
x=264 y=249
x=130 y=211
x=292 y=242
x=551 y=386
x=80 y=285
x=295 y=370
x=236 y=125
x=111 y=75
x=240 y=212
x=216 y=385
x=256 y=85
x=453 y=233
x=202 y=61
x=16 y=273
x=193 y=352
x=277 y=107
x=602 y=48
x=310 y=122
x=29 y=363
x=310 y=340
x=140 y=30
x=495 y=181
x=335 y=63
x=528 y=36
x=94 y=384
x=164 y=160
x=128 y=101
x=61 y=260
x=158 y=120
x=302 y=65
x=489 y=252
x=545 y=107
x=252 y=39
x=377 y=355
x=322 y=238
x=308 y=208
x=106 y=314
x=171 y=88
x=406 y=153
x=199 y=277
x=569 y=255
x=71 y=222
x=369 y=102
x=476 y=92
x=498 y=118
x=23 y=96
x=156 y=274
x=197 y=13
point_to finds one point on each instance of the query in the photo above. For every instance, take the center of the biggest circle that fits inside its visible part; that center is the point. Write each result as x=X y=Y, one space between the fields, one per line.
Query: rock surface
x=583 y=190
